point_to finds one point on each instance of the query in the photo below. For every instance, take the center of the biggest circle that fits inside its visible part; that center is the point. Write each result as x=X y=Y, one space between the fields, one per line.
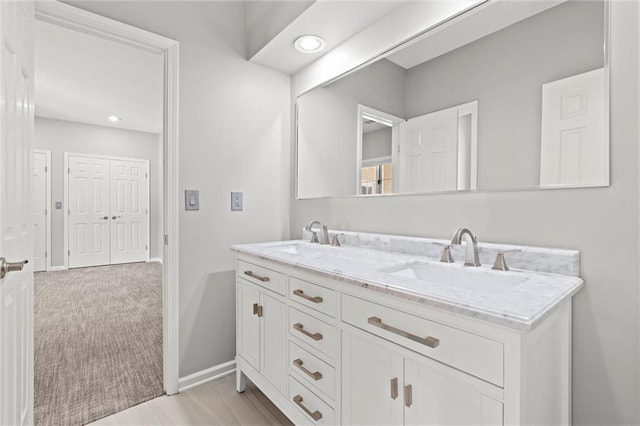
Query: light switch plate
x=236 y=201
x=191 y=199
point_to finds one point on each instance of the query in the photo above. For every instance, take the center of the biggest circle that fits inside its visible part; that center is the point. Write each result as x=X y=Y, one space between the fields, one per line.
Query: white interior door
x=40 y=195
x=574 y=148
x=88 y=211
x=16 y=241
x=428 y=152
x=129 y=211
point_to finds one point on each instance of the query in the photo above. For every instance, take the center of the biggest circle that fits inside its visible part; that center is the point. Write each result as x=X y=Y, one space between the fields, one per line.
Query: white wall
x=234 y=135
x=603 y=223
x=65 y=136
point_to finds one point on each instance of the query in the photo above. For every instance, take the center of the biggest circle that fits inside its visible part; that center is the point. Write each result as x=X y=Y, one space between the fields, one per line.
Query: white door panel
x=108 y=211
x=16 y=239
x=428 y=152
x=574 y=144
x=129 y=211
x=40 y=209
x=88 y=211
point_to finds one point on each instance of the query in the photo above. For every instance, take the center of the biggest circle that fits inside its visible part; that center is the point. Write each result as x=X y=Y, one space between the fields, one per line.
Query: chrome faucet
x=471 y=258
x=324 y=239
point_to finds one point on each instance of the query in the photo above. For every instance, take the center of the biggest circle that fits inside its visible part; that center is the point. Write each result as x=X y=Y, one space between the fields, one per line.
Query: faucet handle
x=335 y=241
x=314 y=237
x=500 y=263
x=446 y=253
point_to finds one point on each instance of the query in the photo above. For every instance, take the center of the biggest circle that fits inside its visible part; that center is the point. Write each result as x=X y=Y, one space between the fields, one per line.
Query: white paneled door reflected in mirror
x=499 y=98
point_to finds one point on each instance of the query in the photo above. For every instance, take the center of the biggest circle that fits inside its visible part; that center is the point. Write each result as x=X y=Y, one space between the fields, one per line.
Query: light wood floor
x=214 y=403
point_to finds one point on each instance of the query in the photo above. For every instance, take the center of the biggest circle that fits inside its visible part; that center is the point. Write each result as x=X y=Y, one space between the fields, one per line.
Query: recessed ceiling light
x=309 y=43
x=114 y=118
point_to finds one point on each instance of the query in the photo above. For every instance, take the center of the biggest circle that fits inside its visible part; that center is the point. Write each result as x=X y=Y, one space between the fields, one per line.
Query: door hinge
x=68 y=170
x=69 y=212
x=69 y=252
x=46 y=254
x=46 y=212
x=146 y=211
x=146 y=175
x=146 y=247
x=46 y=169
x=166 y=240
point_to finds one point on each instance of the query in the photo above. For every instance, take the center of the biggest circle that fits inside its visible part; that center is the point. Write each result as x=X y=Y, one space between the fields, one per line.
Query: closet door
x=129 y=211
x=88 y=211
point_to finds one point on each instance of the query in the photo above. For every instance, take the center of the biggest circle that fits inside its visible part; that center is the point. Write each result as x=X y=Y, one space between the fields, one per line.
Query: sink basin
x=462 y=277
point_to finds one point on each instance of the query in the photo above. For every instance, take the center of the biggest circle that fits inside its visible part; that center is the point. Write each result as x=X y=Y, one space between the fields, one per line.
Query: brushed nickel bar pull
x=394 y=388
x=259 y=311
x=315 y=415
x=257 y=277
x=300 y=328
x=408 y=395
x=314 y=299
x=315 y=376
x=255 y=309
x=432 y=342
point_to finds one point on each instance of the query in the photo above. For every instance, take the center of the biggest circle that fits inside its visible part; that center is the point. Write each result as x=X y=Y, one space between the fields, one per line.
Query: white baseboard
x=204 y=376
x=155 y=259
x=58 y=268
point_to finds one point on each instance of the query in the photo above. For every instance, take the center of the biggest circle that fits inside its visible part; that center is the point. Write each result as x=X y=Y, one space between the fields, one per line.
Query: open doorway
x=88 y=340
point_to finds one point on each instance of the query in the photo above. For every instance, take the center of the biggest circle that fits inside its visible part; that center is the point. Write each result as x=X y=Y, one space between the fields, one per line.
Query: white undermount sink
x=464 y=277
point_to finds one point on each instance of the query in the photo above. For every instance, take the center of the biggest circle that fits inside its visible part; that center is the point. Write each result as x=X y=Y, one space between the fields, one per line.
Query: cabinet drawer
x=317 y=373
x=475 y=355
x=312 y=331
x=312 y=295
x=262 y=276
x=308 y=403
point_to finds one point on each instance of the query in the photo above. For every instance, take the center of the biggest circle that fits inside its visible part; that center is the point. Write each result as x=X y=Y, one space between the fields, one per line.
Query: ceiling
x=83 y=78
x=335 y=21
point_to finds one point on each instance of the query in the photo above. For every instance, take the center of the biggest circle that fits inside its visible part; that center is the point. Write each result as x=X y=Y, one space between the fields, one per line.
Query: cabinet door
x=274 y=341
x=370 y=377
x=441 y=400
x=248 y=323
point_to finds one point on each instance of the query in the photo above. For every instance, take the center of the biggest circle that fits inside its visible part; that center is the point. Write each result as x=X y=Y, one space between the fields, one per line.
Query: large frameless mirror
x=516 y=100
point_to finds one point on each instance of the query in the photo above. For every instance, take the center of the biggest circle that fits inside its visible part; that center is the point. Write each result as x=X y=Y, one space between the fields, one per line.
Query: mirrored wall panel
x=523 y=104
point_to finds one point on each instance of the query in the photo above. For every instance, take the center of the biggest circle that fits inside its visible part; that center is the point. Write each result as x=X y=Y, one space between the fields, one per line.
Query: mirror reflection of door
x=574 y=148
x=438 y=151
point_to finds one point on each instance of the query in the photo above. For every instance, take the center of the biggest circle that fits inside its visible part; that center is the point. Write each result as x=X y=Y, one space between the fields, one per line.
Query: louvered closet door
x=88 y=212
x=129 y=211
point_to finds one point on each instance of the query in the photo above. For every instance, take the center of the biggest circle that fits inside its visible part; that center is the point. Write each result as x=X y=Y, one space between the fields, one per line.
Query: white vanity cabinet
x=261 y=317
x=328 y=350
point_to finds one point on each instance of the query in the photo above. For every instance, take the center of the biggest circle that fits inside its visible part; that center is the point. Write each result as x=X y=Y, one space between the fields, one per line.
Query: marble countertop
x=517 y=299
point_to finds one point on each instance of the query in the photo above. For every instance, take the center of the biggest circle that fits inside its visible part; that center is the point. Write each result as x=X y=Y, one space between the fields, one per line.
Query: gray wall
x=505 y=72
x=603 y=223
x=234 y=136
x=376 y=144
x=65 y=136
x=328 y=118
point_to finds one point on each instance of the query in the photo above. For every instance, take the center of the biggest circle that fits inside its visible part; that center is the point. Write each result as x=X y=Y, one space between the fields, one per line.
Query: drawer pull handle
x=257 y=309
x=257 y=277
x=432 y=342
x=394 y=388
x=300 y=328
x=408 y=395
x=315 y=415
x=314 y=299
x=315 y=376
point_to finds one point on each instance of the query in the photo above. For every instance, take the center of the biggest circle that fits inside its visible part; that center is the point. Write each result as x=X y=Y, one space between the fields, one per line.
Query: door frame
x=66 y=197
x=47 y=153
x=77 y=19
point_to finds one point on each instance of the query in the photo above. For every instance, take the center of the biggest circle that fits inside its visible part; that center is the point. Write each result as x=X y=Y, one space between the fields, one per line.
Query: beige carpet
x=98 y=341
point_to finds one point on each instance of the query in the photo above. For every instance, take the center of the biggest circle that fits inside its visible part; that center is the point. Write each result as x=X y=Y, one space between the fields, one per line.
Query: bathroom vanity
x=379 y=331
